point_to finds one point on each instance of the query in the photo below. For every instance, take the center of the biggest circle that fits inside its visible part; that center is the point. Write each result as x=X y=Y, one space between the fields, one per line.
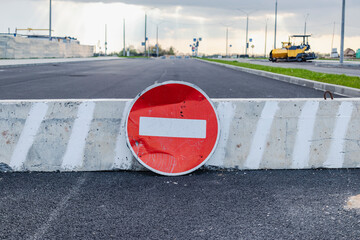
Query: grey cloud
x=267 y=5
x=322 y=13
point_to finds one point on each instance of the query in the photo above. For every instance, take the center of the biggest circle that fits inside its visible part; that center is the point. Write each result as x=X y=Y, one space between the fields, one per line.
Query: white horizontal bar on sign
x=172 y=127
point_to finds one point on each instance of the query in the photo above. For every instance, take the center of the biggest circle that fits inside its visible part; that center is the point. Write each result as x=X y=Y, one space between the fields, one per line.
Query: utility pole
x=275 y=24
x=50 y=22
x=247 y=30
x=145 y=35
x=266 y=22
x=342 y=33
x=306 y=16
x=124 y=37
x=106 y=39
x=227 y=40
x=157 y=40
x=332 y=40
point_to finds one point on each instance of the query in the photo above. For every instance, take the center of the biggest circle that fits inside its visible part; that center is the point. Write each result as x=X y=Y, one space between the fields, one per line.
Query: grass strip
x=338 y=79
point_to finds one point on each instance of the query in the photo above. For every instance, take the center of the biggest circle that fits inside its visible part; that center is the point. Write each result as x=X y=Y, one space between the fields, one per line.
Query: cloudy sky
x=179 y=21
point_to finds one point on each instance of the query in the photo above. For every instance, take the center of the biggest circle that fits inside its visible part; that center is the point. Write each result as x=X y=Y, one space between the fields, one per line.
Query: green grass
x=338 y=79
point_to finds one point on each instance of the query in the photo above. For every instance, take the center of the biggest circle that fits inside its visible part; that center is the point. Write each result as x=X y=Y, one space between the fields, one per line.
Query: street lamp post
x=266 y=22
x=275 y=24
x=227 y=39
x=306 y=16
x=145 y=35
x=342 y=33
x=124 y=37
x=106 y=40
x=157 y=40
x=332 y=39
x=50 y=22
x=145 y=31
x=247 y=30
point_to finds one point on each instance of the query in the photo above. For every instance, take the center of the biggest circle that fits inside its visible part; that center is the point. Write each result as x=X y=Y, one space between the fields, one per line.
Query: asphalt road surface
x=323 y=66
x=126 y=78
x=306 y=204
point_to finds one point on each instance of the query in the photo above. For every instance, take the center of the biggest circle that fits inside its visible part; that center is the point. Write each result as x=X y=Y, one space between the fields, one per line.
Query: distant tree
x=132 y=51
x=162 y=52
x=171 y=51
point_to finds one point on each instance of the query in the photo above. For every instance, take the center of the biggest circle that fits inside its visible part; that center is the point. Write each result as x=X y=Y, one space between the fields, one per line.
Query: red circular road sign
x=172 y=128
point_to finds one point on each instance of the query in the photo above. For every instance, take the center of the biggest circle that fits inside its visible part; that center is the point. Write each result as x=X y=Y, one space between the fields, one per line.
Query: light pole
x=227 y=39
x=145 y=31
x=50 y=22
x=247 y=29
x=106 y=39
x=342 y=33
x=157 y=38
x=124 y=37
x=306 y=16
x=275 y=24
x=145 y=35
x=266 y=22
x=332 y=39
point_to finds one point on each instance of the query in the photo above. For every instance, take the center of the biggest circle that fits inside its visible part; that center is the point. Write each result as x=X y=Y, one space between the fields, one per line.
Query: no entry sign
x=172 y=128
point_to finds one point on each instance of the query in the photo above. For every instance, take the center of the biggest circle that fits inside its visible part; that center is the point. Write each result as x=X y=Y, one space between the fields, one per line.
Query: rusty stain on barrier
x=332 y=97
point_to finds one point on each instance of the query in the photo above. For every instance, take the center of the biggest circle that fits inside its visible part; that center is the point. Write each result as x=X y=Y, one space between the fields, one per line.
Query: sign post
x=172 y=128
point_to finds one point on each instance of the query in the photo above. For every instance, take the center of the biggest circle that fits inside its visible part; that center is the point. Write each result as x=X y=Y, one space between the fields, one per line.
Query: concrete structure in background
x=349 y=53
x=334 y=53
x=15 y=47
x=89 y=135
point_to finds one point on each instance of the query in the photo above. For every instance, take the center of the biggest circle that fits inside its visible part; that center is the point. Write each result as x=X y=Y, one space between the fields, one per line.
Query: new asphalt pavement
x=126 y=78
x=276 y=204
x=282 y=204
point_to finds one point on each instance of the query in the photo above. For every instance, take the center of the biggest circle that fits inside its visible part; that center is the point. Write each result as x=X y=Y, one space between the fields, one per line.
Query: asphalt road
x=306 y=204
x=126 y=78
x=323 y=66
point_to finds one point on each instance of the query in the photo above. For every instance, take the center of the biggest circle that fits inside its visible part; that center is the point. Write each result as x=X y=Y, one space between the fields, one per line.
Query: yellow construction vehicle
x=292 y=52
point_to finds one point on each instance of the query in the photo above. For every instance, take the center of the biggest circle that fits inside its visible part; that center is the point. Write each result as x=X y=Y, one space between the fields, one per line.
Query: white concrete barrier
x=89 y=135
x=23 y=47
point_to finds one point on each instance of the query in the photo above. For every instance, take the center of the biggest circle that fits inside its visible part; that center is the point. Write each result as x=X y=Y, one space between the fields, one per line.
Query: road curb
x=337 y=89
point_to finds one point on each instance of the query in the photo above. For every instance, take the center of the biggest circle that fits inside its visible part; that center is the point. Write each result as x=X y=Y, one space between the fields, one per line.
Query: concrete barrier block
x=89 y=135
x=22 y=47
